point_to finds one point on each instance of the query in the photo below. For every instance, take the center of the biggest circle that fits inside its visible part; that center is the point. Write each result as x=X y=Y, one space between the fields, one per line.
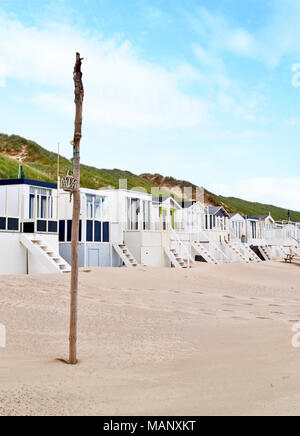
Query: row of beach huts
x=120 y=227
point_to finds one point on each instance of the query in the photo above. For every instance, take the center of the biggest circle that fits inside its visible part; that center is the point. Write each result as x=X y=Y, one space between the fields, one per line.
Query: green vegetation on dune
x=252 y=209
x=231 y=204
x=9 y=170
x=41 y=164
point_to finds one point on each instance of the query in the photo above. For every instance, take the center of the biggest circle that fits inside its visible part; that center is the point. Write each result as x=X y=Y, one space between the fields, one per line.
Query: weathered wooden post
x=79 y=95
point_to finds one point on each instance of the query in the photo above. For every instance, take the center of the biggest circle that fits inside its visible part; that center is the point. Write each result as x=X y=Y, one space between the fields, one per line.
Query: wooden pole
x=58 y=180
x=79 y=95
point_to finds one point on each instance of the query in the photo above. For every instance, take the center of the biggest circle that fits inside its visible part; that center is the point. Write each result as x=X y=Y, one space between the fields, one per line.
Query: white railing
x=217 y=253
x=233 y=236
x=180 y=247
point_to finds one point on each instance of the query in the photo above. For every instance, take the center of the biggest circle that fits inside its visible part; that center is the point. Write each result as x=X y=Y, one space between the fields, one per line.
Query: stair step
x=125 y=255
x=47 y=255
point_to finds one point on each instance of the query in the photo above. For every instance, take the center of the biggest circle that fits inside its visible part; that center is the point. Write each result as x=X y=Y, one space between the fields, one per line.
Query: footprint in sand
x=262 y=317
x=229 y=296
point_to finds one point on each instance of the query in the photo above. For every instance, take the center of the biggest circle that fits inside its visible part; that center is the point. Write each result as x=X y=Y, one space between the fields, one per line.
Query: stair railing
x=181 y=245
x=224 y=258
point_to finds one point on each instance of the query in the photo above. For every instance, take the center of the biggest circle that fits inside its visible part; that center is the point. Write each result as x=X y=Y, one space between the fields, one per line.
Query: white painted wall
x=148 y=247
x=34 y=265
x=12 y=254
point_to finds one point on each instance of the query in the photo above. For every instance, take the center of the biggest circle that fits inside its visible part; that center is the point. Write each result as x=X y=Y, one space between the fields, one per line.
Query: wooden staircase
x=264 y=252
x=51 y=260
x=125 y=255
x=252 y=256
x=176 y=260
x=236 y=251
x=198 y=247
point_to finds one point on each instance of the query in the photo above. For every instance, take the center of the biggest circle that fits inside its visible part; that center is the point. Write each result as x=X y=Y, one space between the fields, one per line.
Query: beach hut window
x=43 y=207
x=253 y=229
x=89 y=206
x=146 y=214
x=97 y=231
x=163 y=213
x=133 y=211
x=62 y=227
x=13 y=224
x=2 y=223
x=106 y=232
x=89 y=231
x=96 y=207
x=39 y=198
x=69 y=231
x=31 y=206
x=104 y=208
x=128 y=213
x=97 y=213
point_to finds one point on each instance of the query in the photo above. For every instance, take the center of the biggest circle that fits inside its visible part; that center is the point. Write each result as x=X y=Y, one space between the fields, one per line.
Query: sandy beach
x=213 y=340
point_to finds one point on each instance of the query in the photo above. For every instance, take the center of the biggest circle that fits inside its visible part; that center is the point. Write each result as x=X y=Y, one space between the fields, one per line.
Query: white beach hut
x=28 y=228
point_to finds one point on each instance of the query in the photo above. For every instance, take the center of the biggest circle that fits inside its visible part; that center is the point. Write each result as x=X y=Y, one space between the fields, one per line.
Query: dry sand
x=209 y=341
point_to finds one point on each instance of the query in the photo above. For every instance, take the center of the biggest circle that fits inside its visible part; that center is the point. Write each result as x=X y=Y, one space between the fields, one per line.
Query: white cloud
x=277 y=38
x=292 y=122
x=283 y=192
x=206 y=57
x=122 y=90
x=240 y=41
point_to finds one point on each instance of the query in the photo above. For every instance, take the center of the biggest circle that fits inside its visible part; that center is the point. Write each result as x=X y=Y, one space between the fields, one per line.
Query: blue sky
x=201 y=90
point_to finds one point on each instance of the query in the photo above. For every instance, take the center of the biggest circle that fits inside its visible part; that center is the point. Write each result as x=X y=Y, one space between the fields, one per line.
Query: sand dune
x=212 y=340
